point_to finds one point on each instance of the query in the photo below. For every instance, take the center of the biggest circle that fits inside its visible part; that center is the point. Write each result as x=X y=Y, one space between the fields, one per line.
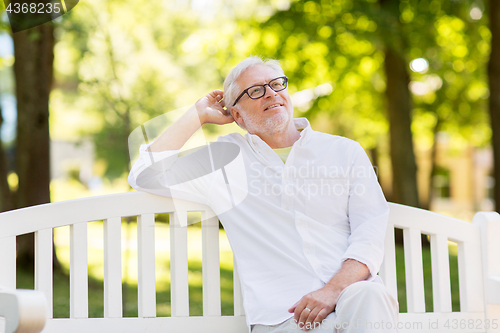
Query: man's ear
x=235 y=112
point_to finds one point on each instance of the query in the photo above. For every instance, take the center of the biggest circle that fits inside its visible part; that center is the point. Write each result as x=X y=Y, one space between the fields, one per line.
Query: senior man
x=308 y=236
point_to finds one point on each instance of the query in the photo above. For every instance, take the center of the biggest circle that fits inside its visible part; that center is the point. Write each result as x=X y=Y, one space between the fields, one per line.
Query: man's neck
x=281 y=139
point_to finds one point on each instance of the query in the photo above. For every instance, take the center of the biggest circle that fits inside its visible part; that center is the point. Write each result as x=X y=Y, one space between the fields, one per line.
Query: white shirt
x=290 y=225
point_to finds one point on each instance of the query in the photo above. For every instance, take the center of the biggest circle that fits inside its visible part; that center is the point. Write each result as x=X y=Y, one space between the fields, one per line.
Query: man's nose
x=270 y=92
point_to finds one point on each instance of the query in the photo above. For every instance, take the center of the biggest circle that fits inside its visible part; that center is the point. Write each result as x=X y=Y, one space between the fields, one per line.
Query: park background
x=417 y=83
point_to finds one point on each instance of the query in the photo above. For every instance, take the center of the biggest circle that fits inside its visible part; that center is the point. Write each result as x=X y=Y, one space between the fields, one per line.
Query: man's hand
x=314 y=307
x=322 y=302
x=210 y=109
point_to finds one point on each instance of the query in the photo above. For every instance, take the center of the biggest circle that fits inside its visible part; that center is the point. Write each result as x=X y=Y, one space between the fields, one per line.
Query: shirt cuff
x=366 y=254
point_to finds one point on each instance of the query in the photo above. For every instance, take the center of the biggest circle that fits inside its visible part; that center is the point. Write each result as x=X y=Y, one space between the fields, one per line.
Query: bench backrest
x=110 y=209
x=440 y=229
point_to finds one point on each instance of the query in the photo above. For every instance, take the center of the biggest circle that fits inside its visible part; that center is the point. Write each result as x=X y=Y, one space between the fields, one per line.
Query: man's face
x=270 y=113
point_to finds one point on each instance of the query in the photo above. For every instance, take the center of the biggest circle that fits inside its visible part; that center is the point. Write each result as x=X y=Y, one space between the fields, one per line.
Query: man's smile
x=272 y=106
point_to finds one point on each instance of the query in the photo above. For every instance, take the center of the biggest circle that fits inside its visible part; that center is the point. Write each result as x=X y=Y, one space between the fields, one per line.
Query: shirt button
x=300 y=222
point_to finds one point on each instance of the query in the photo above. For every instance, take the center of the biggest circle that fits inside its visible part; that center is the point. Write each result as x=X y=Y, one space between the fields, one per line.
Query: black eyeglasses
x=259 y=90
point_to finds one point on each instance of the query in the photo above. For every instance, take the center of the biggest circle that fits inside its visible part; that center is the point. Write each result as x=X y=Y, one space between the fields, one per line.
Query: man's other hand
x=310 y=311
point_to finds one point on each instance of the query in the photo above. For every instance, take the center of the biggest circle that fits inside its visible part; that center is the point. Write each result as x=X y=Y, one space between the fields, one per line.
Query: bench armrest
x=24 y=311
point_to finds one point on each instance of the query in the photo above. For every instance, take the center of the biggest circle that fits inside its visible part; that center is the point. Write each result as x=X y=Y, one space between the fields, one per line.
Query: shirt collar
x=307 y=131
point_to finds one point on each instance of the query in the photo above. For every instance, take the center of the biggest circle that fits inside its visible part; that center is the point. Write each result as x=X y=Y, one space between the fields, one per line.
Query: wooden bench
x=478 y=246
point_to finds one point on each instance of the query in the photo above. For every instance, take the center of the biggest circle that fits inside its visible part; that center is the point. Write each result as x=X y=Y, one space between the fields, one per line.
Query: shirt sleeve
x=198 y=175
x=368 y=214
x=159 y=172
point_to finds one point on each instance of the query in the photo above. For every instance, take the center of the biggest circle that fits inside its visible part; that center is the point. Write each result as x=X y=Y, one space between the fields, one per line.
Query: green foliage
x=341 y=43
x=453 y=91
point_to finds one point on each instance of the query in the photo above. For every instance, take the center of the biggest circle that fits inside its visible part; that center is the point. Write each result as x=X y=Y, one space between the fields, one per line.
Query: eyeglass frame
x=264 y=86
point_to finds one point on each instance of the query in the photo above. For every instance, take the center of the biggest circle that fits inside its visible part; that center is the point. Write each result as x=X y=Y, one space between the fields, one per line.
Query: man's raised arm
x=208 y=109
x=148 y=172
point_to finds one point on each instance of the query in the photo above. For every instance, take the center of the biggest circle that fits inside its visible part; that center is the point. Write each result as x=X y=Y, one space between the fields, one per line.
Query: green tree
x=33 y=72
x=33 y=50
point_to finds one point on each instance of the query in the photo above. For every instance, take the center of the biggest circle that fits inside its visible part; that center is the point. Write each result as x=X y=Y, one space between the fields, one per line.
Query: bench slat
x=43 y=265
x=146 y=279
x=388 y=267
x=179 y=287
x=112 y=268
x=58 y=214
x=78 y=271
x=8 y=262
x=223 y=324
x=414 y=270
x=470 y=273
x=238 y=297
x=440 y=260
x=489 y=223
x=210 y=265
x=429 y=222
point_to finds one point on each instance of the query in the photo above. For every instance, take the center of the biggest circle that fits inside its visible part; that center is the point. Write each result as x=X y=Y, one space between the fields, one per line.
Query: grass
x=25 y=277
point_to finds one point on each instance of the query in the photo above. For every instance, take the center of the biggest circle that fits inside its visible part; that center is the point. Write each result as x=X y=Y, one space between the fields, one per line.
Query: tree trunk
x=404 y=168
x=33 y=68
x=494 y=81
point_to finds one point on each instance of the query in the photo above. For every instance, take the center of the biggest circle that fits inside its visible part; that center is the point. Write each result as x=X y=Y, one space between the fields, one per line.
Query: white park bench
x=478 y=246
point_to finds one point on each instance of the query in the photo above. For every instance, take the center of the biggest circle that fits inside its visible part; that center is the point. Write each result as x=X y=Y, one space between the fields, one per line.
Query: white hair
x=231 y=88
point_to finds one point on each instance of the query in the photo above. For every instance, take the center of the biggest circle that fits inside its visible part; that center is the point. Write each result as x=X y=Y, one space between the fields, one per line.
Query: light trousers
x=362 y=307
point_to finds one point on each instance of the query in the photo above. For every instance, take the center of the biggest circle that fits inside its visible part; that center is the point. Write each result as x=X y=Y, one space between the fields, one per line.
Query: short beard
x=271 y=125
x=277 y=125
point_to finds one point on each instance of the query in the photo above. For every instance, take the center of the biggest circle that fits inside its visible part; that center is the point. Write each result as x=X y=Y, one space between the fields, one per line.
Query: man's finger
x=220 y=100
x=306 y=312
x=292 y=309
x=320 y=317
x=309 y=323
x=299 y=310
